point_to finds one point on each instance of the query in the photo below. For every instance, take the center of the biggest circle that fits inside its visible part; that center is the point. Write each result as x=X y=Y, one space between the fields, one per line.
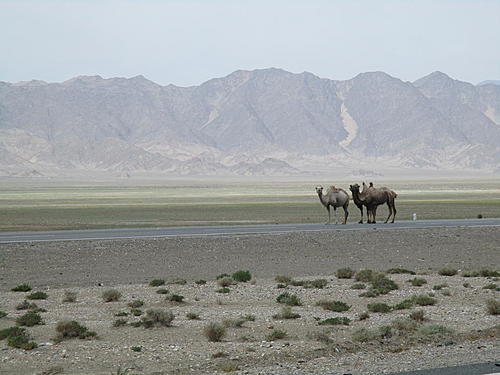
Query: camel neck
x=321 y=198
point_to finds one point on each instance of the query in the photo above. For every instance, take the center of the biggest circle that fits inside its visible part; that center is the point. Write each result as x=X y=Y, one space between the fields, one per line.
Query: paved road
x=490 y=368
x=94 y=234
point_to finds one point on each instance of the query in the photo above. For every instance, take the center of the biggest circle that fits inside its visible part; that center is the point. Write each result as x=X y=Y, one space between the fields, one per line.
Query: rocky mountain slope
x=261 y=122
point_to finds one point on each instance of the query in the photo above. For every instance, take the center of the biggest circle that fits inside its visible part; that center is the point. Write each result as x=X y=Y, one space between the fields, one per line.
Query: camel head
x=319 y=189
x=354 y=188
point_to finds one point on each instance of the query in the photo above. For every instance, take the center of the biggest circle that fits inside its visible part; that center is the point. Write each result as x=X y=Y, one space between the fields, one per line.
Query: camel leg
x=361 y=221
x=328 y=209
x=335 y=214
x=346 y=214
x=390 y=213
x=393 y=212
x=368 y=215
x=374 y=215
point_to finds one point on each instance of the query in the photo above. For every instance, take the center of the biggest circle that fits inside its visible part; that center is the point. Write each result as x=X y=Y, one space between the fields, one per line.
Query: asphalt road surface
x=191 y=231
x=489 y=368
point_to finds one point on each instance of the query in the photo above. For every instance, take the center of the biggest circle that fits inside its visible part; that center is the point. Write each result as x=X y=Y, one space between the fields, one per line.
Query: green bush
x=379 y=307
x=3 y=314
x=289 y=299
x=136 y=348
x=404 y=304
x=433 y=329
x=21 y=342
x=223 y=290
x=162 y=291
x=200 y=282
x=447 y=271
x=335 y=321
x=29 y=319
x=157 y=282
x=423 y=300
x=276 y=334
x=439 y=286
x=37 y=295
x=365 y=275
x=417 y=281
x=225 y=282
x=358 y=286
x=136 y=312
x=72 y=329
x=382 y=284
x=135 y=304
x=242 y=276
x=400 y=270
x=119 y=323
x=418 y=315
x=336 y=306
x=22 y=288
x=344 y=273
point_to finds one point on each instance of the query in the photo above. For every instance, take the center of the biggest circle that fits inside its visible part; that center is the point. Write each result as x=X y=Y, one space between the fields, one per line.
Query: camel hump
x=332 y=188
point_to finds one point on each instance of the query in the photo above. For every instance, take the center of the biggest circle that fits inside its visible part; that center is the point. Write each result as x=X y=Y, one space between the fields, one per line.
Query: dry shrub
x=214 y=332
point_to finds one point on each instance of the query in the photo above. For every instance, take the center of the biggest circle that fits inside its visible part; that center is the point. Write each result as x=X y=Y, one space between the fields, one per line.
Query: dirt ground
x=90 y=267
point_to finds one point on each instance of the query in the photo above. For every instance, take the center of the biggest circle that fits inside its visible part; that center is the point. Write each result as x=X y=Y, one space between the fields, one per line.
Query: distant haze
x=186 y=42
x=259 y=122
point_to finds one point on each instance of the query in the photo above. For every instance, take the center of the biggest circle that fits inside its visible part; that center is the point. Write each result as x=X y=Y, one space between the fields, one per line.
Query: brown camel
x=372 y=197
x=334 y=197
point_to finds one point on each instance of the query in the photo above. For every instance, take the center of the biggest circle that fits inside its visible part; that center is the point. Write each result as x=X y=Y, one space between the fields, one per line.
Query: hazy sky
x=187 y=42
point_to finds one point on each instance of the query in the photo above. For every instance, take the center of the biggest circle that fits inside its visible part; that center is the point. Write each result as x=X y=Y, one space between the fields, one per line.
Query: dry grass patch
x=111 y=295
x=215 y=332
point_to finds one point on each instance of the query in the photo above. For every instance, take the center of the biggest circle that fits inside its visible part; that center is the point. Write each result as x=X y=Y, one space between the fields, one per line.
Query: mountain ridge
x=233 y=124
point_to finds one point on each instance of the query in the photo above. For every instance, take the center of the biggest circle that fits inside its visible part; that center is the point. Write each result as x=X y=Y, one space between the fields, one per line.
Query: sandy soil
x=183 y=348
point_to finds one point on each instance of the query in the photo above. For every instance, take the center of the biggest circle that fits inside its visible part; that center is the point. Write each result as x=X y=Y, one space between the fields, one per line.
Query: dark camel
x=372 y=197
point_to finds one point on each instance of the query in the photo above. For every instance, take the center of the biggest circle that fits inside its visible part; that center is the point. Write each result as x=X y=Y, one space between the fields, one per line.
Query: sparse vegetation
x=289 y=299
x=493 y=307
x=226 y=282
x=335 y=321
x=111 y=295
x=344 y=273
x=3 y=314
x=447 y=271
x=400 y=270
x=25 y=305
x=223 y=290
x=364 y=334
x=119 y=323
x=286 y=313
x=379 y=307
x=282 y=279
x=233 y=323
x=215 y=332
x=178 y=282
x=423 y=300
x=136 y=348
x=157 y=318
x=433 y=329
x=17 y=338
x=193 y=316
x=439 y=286
x=364 y=275
x=157 y=282
x=163 y=291
x=363 y=316
x=37 y=295
x=66 y=330
x=69 y=296
x=136 y=312
x=491 y=286
x=22 y=288
x=358 y=286
x=242 y=276
x=135 y=304
x=200 y=282
x=29 y=319
x=418 y=315
x=276 y=334
x=417 y=281
x=337 y=306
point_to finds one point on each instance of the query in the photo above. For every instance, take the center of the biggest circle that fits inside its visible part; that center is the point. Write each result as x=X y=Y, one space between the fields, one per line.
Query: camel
x=334 y=197
x=372 y=197
x=357 y=201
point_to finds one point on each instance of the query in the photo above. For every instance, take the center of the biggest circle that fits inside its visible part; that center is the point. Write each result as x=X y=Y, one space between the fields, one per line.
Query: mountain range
x=260 y=122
